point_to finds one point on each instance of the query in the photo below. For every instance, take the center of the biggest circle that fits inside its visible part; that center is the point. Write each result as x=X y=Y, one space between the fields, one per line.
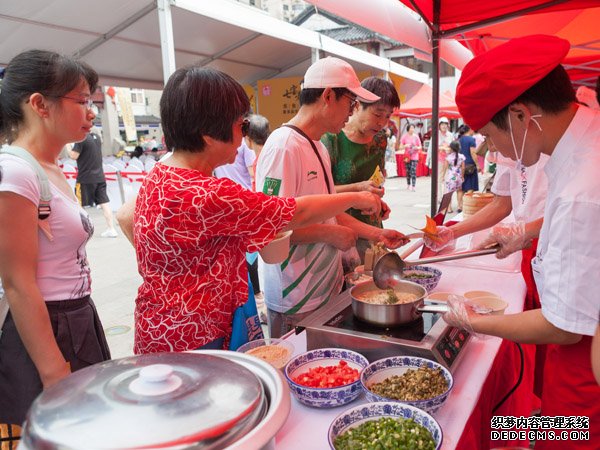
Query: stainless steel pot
x=208 y=400
x=391 y=315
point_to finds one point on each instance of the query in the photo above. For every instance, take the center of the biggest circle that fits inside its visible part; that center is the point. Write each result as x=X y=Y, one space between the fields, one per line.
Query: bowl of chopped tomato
x=326 y=377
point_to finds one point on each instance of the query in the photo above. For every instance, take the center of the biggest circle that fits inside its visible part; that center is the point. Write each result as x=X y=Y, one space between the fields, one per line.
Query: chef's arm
x=125 y=218
x=532 y=229
x=489 y=215
x=528 y=327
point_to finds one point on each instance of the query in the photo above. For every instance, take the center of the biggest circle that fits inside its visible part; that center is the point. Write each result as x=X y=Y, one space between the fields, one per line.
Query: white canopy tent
x=127 y=41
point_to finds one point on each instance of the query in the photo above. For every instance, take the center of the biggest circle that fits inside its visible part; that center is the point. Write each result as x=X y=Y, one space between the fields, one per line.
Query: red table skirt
x=422 y=169
x=503 y=375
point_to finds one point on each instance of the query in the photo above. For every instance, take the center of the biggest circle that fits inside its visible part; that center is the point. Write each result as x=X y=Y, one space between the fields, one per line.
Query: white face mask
x=519 y=158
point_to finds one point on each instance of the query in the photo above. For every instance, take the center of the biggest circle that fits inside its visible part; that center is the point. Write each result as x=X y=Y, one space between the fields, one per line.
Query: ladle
x=390 y=266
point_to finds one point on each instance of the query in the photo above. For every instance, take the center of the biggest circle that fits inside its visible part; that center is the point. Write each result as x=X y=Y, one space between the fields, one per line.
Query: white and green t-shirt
x=312 y=273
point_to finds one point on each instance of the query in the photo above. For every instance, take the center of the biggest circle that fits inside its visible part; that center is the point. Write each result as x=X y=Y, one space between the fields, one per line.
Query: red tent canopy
x=468 y=19
x=420 y=105
x=579 y=27
x=496 y=21
x=452 y=13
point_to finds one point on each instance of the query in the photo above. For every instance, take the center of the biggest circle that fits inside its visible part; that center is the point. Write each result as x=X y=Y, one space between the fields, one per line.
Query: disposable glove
x=444 y=239
x=510 y=236
x=458 y=313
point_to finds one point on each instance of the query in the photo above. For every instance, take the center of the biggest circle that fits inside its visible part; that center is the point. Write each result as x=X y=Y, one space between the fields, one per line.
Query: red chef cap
x=494 y=79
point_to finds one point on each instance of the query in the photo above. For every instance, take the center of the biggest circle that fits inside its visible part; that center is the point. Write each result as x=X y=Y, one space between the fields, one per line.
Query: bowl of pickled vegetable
x=326 y=377
x=385 y=426
x=428 y=277
x=415 y=381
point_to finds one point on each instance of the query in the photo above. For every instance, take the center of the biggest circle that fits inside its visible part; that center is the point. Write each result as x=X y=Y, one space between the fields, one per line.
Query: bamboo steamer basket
x=474 y=201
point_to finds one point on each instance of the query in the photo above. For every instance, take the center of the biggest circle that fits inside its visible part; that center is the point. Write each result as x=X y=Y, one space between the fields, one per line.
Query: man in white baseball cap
x=333 y=72
x=293 y=163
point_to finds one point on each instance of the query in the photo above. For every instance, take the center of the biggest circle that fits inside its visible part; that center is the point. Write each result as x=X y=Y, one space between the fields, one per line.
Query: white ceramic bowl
x=488 y=305
x=475 y=294
x=384 y=368
x=278 y=249
x=324 y=397
x=357 y=415
x=276 y=352
x=439 y=296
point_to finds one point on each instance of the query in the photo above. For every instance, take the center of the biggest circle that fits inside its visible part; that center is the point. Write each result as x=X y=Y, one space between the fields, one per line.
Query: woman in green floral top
x=358 y=151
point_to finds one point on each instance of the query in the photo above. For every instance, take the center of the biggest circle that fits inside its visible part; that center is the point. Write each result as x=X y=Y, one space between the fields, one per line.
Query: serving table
x=488 y=370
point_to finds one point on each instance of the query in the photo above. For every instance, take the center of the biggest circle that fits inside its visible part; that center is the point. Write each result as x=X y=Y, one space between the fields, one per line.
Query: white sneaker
x=109 y=234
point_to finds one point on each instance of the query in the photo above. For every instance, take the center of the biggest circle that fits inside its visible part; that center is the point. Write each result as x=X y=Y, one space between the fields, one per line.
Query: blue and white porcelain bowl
x=357 y=415
x=379 y=370
x=428 y=283
x=324 y=397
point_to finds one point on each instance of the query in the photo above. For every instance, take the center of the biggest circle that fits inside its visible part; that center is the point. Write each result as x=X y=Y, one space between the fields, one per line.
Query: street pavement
x=115 y=278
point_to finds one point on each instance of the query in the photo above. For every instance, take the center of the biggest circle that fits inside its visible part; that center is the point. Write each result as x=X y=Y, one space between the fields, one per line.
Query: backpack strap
x=3 y=312
x=45 y=193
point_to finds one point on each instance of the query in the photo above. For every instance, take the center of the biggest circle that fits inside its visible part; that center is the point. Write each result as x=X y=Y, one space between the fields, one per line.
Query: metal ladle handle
x=452 y=256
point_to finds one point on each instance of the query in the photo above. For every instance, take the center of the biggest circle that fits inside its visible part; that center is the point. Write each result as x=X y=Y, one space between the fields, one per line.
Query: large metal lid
x=158 y=400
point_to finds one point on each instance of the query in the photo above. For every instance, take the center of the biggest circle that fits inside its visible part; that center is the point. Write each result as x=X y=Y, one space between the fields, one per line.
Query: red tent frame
x=446 y=19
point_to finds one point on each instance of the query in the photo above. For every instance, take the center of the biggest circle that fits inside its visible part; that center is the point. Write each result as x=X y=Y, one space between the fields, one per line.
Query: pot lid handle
x=156 y=379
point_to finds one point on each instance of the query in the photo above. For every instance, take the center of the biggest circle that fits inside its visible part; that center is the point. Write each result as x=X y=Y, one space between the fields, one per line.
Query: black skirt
x=80 y=337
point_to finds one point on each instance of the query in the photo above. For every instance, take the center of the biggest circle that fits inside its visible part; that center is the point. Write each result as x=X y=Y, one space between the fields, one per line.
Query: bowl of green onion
x=394 y=426
x=428 y=277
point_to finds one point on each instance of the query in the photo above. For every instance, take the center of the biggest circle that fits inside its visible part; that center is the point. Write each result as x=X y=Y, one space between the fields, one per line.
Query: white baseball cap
x=333 y=72
x=444 y=120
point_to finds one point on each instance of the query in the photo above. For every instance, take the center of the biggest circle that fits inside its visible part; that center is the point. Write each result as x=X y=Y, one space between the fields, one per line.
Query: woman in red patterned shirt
x=192 y=230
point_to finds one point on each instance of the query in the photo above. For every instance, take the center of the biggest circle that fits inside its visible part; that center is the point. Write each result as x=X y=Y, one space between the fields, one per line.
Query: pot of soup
x=390 y=307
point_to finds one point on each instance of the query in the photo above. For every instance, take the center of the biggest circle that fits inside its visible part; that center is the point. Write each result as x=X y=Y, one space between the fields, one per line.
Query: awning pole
x=435 y=47
x=167 y=43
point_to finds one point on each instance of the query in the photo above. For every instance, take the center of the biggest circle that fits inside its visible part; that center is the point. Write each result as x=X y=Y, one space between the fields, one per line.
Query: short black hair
x=258 y=128
x=38 y=71
x=309 y=96
x=553 y=94
x=198 y=102
x=383 y=89
x=408 y=125
x=463 y=129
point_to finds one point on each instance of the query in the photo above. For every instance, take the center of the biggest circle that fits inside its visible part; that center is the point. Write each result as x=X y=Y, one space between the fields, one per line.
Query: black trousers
x=80 y=337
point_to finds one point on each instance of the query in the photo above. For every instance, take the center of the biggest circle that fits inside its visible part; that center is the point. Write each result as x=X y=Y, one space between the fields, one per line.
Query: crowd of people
x=230 y=185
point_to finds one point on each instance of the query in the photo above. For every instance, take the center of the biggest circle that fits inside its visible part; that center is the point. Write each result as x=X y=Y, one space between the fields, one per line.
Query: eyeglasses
x=245 y=127
x=353 y=101
x=88 y=103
